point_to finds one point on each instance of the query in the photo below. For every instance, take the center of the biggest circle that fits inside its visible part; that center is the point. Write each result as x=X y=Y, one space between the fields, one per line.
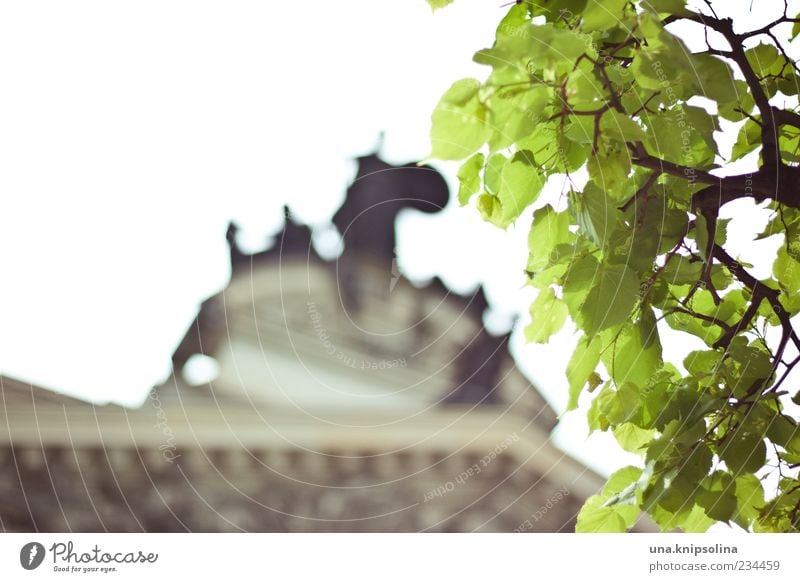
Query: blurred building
x=345 y=398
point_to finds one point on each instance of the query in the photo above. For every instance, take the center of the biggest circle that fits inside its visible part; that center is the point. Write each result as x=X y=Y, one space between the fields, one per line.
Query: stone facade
x=125 y=491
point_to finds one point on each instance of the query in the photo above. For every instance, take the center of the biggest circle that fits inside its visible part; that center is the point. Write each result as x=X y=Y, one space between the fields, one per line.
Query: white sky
x=131 y=133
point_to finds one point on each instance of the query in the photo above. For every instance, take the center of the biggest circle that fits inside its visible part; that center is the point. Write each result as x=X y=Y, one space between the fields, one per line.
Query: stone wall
x=97 y=489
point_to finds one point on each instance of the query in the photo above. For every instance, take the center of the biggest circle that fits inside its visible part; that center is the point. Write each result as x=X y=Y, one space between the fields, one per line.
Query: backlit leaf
x=548 y=315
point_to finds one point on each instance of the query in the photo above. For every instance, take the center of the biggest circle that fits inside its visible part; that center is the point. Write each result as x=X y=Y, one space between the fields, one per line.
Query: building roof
x=366 y=266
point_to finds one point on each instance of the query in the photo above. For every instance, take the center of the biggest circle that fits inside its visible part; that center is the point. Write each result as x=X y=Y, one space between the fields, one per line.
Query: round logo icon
x=31 y=555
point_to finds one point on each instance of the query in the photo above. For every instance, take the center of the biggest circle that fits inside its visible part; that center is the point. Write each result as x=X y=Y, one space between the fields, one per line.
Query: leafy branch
x=607 y=89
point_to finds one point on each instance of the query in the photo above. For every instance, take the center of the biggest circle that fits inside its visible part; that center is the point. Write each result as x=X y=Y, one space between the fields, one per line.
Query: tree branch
x=724 y=26
x=640 y=157
x=651 y=179
x=703 y=317
x=744 y=322
x=761 y=290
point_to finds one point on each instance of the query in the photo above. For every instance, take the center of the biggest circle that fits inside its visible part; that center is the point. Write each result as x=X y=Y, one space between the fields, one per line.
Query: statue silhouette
x=366 y=219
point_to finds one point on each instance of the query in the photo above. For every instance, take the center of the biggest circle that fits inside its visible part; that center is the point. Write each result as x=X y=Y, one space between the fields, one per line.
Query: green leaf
x=520 y=184
x=490 y=208
x=749 y=499
x=702 y=362
x=701 y=235
x=745 y=365
x=602 y=15
x=581 y=365
x=610 y=166
x=549 y=229
x=559 y=48
x=620 y=480
x=682 y=271
x=593 y=382
x=646 y=69
x=556 y=10
x=459 y=122
x=536 y=48
x=787 y=270
x=738 y=103
x=632 y=438
x=577 y=282
x=596 y=416
x=789 y=142
x=695 y=461
x=718 y=496
x=437 y=4
x=625 y=405
x=569 y=156
x=677 y=7
x=655 y=397
x=784 y=431
x=671 y=506
x=695 y=521
x=580 y=129
x=595 y=213
x=548 y=314
x=671 y=492
x=621 y=127
x=713 y=78
x=554 y=152
x=598 y=517
x=649 y=228
x=492 y=175
x=512 y=40
x=514 y=23
x=694 y=326
x=594 y=517
x=584 y=87
x=743 y=452
x=765 y=59
x=748 y=140
x=613 y=511
x=611 y=299
x=469 y=178
x=636 y=354
x=516 y=114
x=683 y=135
